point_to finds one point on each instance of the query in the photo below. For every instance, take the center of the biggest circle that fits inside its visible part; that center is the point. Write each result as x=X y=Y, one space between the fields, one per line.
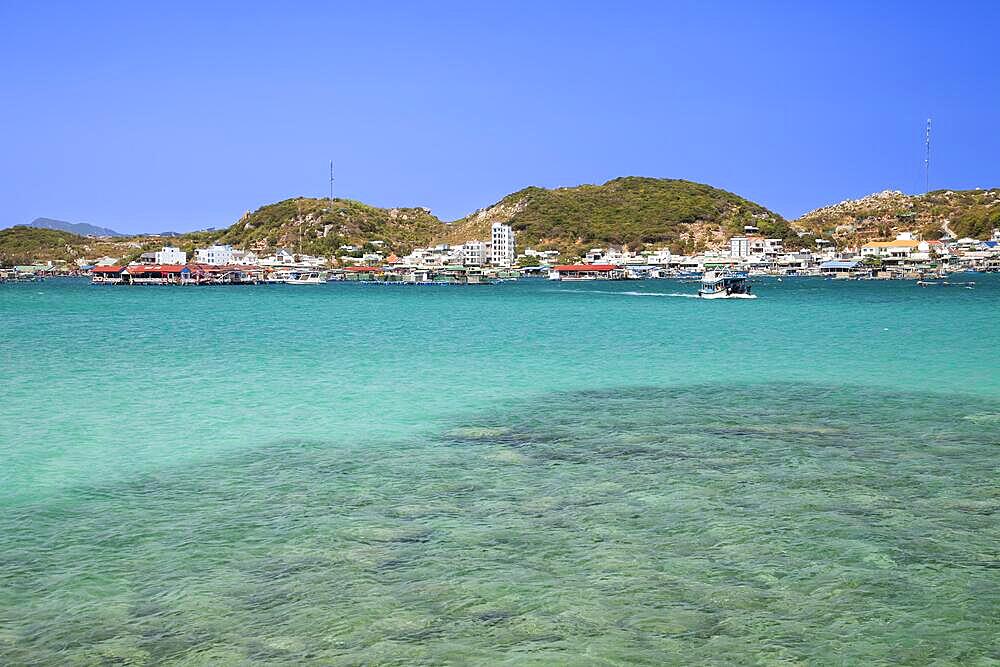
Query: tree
x=871 y=261
x=528 y=260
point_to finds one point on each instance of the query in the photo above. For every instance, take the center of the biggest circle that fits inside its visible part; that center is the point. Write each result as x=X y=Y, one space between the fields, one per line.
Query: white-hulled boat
x=305 y=278
x=725 y=285
x=278 y=277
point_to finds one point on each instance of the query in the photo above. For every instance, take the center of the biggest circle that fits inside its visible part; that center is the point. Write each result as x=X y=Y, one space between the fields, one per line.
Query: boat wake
x=633 y=293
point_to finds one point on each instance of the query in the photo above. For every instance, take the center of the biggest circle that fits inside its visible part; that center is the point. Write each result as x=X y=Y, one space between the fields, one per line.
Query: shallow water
x=522 y=473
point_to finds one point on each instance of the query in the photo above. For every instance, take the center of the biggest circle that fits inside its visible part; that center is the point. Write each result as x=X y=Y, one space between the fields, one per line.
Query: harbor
x=473 y=263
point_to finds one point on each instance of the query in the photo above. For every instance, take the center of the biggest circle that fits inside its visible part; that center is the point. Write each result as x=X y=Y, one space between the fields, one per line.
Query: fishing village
x=486 y=262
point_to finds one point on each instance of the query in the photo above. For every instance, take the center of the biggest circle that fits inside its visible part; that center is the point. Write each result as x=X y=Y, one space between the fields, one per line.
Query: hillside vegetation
x=633 y=211
x=973 y=213
x=24 y=244
x=321 y=226
x=629 y=211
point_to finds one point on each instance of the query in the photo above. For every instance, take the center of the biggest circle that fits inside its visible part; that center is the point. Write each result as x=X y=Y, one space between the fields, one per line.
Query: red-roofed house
x=106 y=275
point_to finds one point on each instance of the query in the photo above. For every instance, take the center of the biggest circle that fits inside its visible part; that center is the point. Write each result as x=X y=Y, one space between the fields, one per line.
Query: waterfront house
x=361 y=273
x=890 y=252
x=214 y=254
x=169 y=255
x=106 y=275
x=155 y=274
x=839 y=267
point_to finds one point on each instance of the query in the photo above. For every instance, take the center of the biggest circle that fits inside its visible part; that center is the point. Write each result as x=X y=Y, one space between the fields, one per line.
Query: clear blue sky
x=155 y=116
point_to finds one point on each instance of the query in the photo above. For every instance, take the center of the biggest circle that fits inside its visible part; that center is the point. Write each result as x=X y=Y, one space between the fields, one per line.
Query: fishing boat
x=725 y=285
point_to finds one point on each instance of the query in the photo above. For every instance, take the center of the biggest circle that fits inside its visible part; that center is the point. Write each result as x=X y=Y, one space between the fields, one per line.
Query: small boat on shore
x=725 y=285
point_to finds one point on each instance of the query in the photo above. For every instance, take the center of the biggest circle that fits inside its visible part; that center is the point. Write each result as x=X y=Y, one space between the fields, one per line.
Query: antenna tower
x=927 y=157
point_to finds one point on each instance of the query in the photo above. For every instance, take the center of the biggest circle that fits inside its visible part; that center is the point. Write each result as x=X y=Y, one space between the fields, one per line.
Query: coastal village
x=497 y=259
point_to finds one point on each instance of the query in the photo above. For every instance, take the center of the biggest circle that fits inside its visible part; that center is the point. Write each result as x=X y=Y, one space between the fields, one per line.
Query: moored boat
x=306 y=278
x=725 y=285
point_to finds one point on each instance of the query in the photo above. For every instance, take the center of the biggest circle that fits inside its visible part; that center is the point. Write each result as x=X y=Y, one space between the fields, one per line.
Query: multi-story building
x=170 y=255
x=739 y=246
x=502 y=250
x=214 y=254
x=474 y=253
x=749 y=246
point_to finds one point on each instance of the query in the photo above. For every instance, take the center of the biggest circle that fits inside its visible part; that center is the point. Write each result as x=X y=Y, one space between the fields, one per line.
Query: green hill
x=23 y=244
x=321 y=226
x=635 y=211
x=974 y=213
x=686 y=216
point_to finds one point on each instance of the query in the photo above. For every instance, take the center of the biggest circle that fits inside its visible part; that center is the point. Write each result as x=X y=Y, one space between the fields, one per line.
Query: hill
x=24 y=244
x=686 y=216
x=79 y=228
x=321 y=226
x=962 y=213
x=631 y=211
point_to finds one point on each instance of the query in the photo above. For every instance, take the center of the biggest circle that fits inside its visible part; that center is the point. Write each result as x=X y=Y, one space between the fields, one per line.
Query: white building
x=170 y=255
x=660 y=257
x=739 y=246
x=502 y=251
x=892 y=250
x=214 y=254
x=762 y=246
x=245 y=257
x=749 y=246
x=474 y=253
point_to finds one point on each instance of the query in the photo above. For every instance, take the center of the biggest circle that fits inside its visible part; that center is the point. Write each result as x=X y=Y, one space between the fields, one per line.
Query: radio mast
x=331 y=181
x=927 y=158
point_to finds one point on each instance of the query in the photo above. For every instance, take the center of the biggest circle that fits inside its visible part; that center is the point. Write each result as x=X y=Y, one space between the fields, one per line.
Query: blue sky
x=155 y=116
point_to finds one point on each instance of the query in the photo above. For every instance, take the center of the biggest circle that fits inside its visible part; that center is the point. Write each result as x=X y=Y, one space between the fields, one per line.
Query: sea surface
x=528 y=473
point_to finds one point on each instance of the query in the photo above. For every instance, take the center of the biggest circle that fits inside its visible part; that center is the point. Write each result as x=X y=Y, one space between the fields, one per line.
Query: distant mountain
x=81 y=228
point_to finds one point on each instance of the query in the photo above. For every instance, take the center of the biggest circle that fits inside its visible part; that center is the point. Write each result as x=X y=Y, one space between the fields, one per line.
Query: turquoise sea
x=525 y=473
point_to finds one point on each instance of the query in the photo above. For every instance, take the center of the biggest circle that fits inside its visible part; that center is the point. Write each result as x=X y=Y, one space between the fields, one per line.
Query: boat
x=725 y=285
x=305 y=278
x=945 y=283
x=278 y=277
